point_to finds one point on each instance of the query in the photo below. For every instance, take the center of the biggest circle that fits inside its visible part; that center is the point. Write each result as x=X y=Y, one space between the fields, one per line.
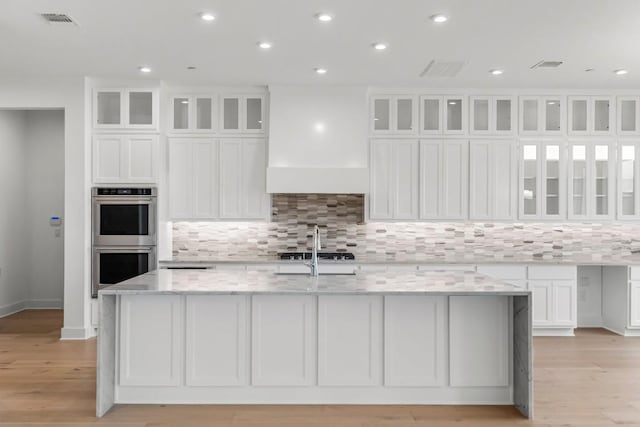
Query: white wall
x=70 y=95
x=45 y=198
x=13 y=249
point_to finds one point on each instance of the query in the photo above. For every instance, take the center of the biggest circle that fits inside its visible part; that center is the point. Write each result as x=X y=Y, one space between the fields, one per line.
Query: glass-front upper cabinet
x=628 y=115
x=491 y=115
x=394 y=114
x=443 y=115
x=542 y=186
x=628 y=180
x=125 y=109
x=591 y=182
x=541 y=115
x=242 y=113
x=590 y=115
x=192 y=113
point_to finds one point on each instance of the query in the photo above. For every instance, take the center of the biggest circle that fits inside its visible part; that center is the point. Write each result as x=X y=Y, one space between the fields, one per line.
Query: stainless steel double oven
x=124 y=234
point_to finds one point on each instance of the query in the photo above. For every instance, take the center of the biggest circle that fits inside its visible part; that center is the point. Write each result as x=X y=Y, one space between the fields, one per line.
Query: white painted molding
x=9 y=309
x=51 y=303
x=76 y=333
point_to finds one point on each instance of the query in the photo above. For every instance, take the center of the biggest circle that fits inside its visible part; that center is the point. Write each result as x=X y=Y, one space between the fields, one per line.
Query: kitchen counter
x=256 y=337
x=165 y=281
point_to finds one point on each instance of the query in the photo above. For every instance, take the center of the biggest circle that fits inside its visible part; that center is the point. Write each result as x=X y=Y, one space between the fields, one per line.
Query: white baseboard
x=553 y=332
x=76 y=333
x=9 y=309
x=52 y=303
x=591 y=322
x=615 y=331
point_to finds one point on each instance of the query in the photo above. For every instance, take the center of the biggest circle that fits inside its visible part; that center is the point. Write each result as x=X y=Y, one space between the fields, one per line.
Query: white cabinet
x=243 y=179
x=492 y=180
x=242 y=113
x=394 y=114
x=542 y=180
x=634 y=305
x=491 y=115
x=193 y=178
x=415 y=341
x=349 y=340
x=125 y=109
x=591 y=181
x=444 y=184
x=283 y=340
x=542 y=115
x=150 y=340
x=590 y=115
x=478 y=341
x=628 y=180
x=554 y=291
x=443 y=114
x=217 y=340
x=125 y=158
x=192 y=113
x=628 y=115
x=394 y=179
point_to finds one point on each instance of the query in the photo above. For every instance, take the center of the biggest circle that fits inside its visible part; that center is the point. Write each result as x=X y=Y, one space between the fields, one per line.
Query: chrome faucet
x=313 y=265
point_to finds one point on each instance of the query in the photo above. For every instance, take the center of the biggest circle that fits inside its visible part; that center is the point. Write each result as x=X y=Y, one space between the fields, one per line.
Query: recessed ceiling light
x=265 y=45
x=321 y=70
x=621 y=72
x=380 y=46
x=496 y=72
x=207 y=16
x=324 y=17
x=144 y=69
x=439 y=18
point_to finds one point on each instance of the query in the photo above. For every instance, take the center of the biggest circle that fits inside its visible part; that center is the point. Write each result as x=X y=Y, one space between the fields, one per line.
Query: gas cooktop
x=337 y=256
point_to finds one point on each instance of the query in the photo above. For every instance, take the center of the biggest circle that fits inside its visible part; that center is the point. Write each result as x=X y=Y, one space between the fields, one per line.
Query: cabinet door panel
x=349 y=340
x=479 y=180
x=180 y=182
x=107 y=159
x=283 y=340
x=415 y=345
x=217 y=340
x=430 y=179
x=205 y=182
x=634 y=309
x=564 y=303
x=254 y=178
x=503 y=168
x=405 y=180
x=455 y=165
x=150 y=340
x=141 y=165
x=541 y=301
x=231 y=178
x=381 y=206
x=479 y=341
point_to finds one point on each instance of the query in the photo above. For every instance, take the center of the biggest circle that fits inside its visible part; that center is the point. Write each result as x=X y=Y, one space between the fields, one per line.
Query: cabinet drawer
x=504 y=272
x=554 y=272
x=634 y=273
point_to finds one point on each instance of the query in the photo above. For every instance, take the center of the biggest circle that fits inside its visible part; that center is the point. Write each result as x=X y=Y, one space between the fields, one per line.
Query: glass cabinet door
x=553 y=115
x=431 y=117
x=578 y=113
x=627 y=192
x=231 y=114
x=204 y=113
x=628 y=115
x=180 y=113
x=552 y=180
x=253 y=113
x=108 y=108
x=503 y=115
x=454 y=115
x=530 y=180
x=140 y=108
x=601 y=119
x=404 y=114
x=578 y=180
x=480 y=115
x=381 y=114
x=530 y=115
x=602 y=178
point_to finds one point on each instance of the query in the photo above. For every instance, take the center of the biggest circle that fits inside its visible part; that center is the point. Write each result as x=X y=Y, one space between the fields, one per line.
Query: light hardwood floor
x=590 y=380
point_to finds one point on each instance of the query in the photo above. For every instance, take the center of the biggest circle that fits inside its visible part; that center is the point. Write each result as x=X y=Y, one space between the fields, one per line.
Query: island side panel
x=106 y=363
x=522 y=355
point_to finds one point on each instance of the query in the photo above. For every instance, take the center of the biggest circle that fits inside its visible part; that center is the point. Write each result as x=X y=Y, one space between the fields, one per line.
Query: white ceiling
x=116 y=36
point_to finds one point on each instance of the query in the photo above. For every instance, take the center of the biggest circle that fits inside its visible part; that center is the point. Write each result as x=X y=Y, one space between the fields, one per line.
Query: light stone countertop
x=243 y=282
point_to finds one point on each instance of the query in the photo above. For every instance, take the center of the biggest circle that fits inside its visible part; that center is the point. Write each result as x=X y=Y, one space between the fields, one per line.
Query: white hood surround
x=318 y=139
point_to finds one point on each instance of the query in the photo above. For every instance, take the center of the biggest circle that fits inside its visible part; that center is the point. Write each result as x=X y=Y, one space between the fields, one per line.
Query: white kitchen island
x=237 y=337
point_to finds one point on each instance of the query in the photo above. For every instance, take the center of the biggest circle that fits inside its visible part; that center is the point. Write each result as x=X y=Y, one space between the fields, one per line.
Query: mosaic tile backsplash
x=340 y=218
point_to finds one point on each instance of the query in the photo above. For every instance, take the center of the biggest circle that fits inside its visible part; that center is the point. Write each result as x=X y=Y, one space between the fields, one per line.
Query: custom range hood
x=318 y=139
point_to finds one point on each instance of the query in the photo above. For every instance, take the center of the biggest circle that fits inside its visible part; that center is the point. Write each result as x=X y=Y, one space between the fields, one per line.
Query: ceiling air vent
x=58 y=18
x=547 y=64
x=442 y=69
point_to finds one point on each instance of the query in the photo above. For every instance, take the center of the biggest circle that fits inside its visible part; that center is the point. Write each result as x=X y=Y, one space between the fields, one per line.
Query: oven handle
x=122 y=200
x=115 y=249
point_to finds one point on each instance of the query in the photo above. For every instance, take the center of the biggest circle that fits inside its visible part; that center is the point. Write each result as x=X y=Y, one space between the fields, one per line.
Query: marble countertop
x=242 y=282
x=578 y=259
